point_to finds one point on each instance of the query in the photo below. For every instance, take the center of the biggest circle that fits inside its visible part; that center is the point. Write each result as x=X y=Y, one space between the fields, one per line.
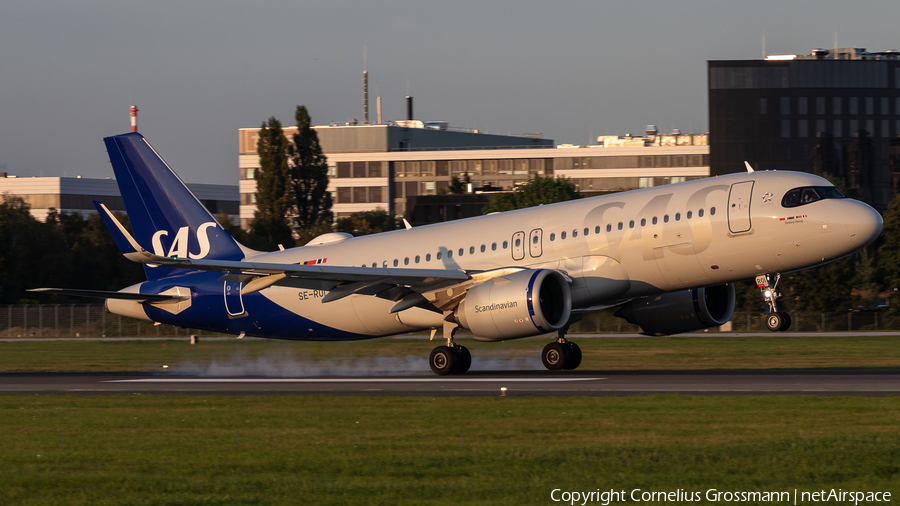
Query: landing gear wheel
x=574 y=356
x=442 y=360
x=787 y=321
x=555 y=356
x=775 y=322
x=463 y=360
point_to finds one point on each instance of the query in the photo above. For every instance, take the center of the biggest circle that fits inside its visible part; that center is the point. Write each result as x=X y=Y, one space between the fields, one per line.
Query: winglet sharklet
x=126 y=243
x=749 y=168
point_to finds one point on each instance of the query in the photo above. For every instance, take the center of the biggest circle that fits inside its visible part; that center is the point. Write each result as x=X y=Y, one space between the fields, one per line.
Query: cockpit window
x=805 y=195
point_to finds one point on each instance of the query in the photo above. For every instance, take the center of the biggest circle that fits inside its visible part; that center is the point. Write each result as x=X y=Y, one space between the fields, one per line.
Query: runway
x=530 y=383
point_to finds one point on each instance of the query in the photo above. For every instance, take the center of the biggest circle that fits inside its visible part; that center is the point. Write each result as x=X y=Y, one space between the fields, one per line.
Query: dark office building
x=831 y=112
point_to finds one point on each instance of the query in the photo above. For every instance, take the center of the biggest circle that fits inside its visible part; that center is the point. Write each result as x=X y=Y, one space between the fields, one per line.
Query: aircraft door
x=518 y=246
x=234 y=302
x=534 y=241
x=739 y=207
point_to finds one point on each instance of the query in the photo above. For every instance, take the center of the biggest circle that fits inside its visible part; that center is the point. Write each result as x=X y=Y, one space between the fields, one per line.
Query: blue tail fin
x=166 y=218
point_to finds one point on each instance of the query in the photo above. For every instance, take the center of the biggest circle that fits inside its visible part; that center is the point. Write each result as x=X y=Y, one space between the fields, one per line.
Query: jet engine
x=682 y=311
x=525 y=303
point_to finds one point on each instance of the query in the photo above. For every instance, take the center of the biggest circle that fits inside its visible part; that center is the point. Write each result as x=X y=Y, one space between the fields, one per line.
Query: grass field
x=217 y=450
x=409 y=355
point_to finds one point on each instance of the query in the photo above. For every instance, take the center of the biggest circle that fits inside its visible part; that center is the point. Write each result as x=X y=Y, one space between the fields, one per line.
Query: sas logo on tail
x=179 y=248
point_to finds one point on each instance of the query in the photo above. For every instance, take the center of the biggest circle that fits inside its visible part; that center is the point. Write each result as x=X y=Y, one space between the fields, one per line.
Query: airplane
x=667 y=255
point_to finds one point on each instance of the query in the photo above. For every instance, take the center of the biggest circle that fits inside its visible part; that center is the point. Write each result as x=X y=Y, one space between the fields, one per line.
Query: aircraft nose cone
x=863 y=224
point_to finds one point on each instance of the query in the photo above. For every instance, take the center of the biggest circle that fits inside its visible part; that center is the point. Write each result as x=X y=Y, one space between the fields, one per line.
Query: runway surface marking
x=347 y=380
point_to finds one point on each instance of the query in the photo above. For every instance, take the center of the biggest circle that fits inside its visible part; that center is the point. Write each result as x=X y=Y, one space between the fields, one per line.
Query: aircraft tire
x=554 y=356
x=774 y=322
x=787 y=321
x=574 y=356
x=463 y=360
x=442 y=360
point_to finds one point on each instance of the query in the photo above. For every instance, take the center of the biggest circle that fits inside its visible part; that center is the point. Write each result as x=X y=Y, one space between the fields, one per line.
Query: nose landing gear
x=775 y=321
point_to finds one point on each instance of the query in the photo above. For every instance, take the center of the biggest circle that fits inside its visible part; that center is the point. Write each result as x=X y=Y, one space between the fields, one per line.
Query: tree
x=367 y=222
x=457 y=186
x=540 y=190
x=274 y=198
x=309 y=175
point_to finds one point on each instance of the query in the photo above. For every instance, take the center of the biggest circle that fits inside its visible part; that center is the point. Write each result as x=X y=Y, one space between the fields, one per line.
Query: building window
x=870 y=127
x=343 y=169
x=820 y=126
x=763 y=105
x=785 y=105
x=375 y=169
x=645 y=182
x=820 y=105
x=803 y=128
x=885 y=108
x=785 y=128
x=359 y=169
x=375 y=194
x=836 y=105
x=885 y=128
x=801 y=105
x=854 y=127
x=359 y=194
x=870 y=105
x=344 y=195
x=838 y=131
x=854 y=105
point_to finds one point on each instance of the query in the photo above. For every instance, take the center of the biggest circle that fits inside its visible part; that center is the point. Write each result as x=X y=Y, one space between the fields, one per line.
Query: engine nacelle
x=525 y=303
x=682 y=311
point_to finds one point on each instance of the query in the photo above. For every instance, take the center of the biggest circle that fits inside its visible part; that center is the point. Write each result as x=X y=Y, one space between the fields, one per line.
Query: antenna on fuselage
x=749 y=168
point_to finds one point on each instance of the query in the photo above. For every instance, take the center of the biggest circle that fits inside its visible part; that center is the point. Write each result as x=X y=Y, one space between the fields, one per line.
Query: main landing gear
x=562 y=353
x=451 y=358
x=775 y=320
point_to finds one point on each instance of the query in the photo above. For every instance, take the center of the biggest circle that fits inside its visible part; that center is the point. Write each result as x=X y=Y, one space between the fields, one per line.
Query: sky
x=200 y=70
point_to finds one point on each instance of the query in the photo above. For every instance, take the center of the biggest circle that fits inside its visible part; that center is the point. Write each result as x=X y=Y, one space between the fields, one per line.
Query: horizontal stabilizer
x=104 y=294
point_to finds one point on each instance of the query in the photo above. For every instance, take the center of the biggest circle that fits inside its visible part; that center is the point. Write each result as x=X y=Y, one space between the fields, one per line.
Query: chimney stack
x=134 y=111
x=409 y=109
x=365 y=97
x=378 y=108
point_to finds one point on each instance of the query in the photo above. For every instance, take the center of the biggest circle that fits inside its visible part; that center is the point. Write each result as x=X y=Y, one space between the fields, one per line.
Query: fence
x=93 y=320
x=80 y=320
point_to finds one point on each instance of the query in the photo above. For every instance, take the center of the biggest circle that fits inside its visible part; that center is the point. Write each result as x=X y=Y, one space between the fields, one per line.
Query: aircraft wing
x=103 y=294
x=341 y=280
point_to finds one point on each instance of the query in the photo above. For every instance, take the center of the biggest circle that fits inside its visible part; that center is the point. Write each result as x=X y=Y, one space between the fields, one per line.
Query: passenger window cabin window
x=574 y=233
x=438 y=255
x=471 y=250
x=643 y=222
x=666 y=218
x=655 y=220
x=597 y=229
x=396 y=262
x=449 y=253
x=620 y=225
x=534 y=240
x=552 y=237
x=428 y=257
x=483 y=248
x=461 y=251
x=690 y=214
x=374 y=264
x=505 y=244
x=417 y=258
x=586 y=231
x=712 y=211
x=631 y=224
x=562 y=235
x=518 y=242
x=700 y=213
x=494 y=246
x=609 y=227
x=406 y=261
x=677 y=216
